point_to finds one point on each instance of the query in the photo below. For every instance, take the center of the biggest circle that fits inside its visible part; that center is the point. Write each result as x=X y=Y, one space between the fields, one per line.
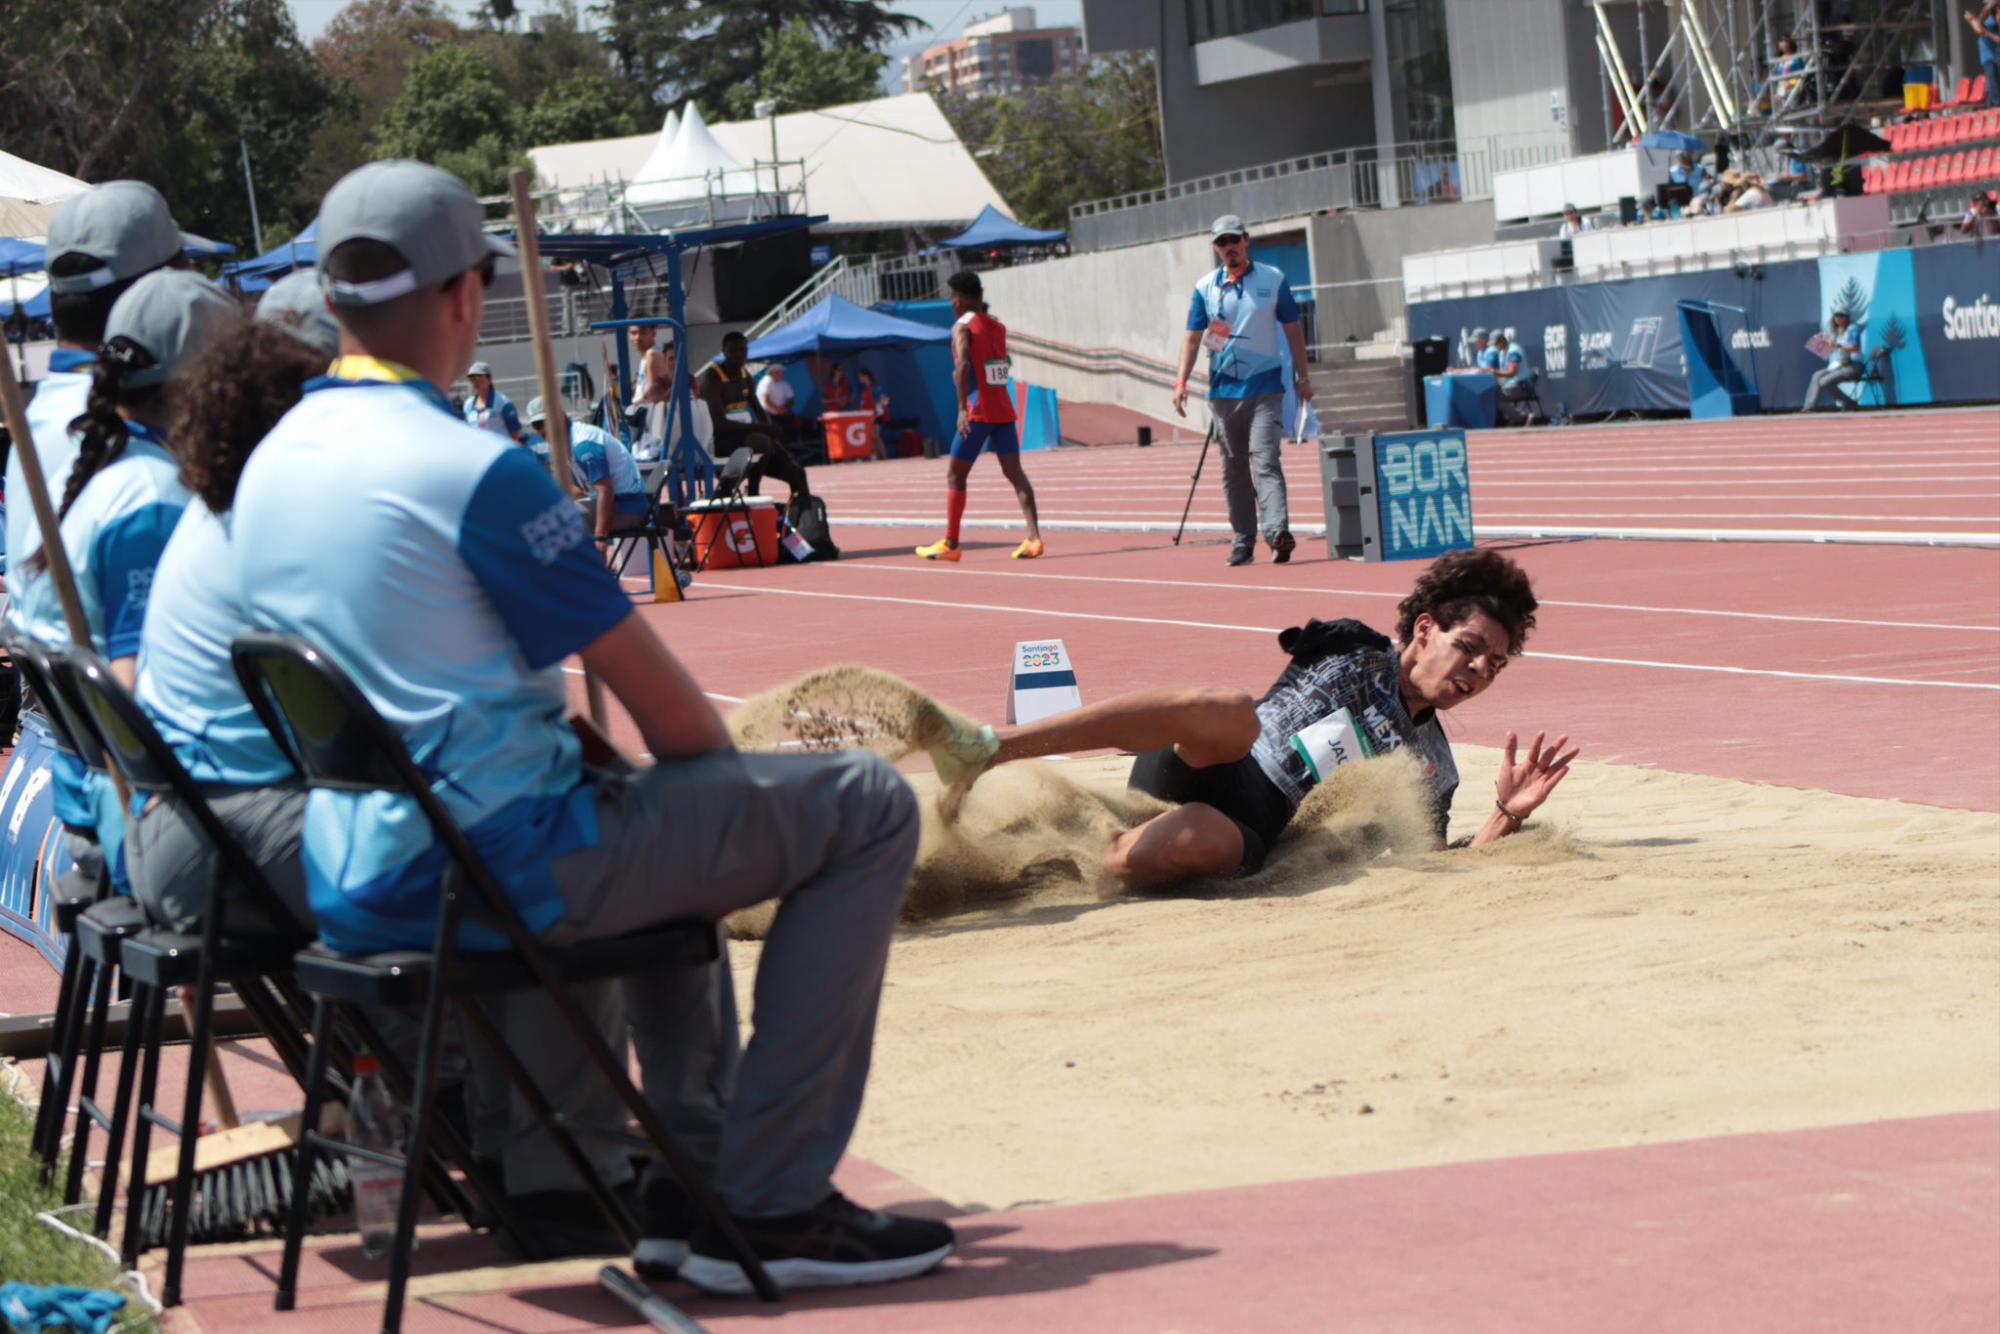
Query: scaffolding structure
x=1714 y=67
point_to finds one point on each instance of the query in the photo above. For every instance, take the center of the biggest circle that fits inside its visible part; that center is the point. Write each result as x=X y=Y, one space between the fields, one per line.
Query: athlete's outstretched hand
x=1524 y=785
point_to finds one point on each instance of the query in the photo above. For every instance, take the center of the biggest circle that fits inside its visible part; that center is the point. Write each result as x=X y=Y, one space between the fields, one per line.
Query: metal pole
x=250 y=188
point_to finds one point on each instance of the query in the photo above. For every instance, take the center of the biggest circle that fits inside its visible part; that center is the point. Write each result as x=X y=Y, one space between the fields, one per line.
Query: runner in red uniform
x=985 y=416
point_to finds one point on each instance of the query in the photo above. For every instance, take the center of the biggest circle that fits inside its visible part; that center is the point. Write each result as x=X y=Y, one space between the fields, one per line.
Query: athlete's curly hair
x=1457 y=585
x=231 y=398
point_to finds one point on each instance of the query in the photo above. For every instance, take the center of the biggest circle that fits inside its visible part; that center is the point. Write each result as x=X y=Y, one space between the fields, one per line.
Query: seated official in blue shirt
x=119 y=501
x=451 y=578
x=613 y=492
x=1843 y=363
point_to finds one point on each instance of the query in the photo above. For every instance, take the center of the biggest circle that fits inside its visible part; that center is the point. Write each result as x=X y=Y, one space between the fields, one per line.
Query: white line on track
x=928 y=571
x=1272 y=630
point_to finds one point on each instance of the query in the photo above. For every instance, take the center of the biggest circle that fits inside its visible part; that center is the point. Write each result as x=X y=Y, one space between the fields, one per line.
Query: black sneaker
x=666 y=1220
x=1242 y=555
x=1282 y=547
x=559 y=1224
x=834 y=1244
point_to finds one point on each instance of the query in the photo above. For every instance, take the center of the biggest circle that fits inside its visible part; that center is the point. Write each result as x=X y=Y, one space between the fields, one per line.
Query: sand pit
x=1664 y=957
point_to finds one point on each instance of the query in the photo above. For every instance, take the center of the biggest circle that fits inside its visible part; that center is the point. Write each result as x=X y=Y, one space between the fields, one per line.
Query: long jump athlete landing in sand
x=1239 y=768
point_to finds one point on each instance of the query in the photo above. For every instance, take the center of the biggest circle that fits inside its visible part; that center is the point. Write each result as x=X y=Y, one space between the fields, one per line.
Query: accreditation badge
x=1216 y=336
x=1331 y=742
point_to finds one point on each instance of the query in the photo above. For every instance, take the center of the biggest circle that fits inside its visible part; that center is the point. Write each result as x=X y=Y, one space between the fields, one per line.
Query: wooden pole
x=528 y=242
x=16 y=411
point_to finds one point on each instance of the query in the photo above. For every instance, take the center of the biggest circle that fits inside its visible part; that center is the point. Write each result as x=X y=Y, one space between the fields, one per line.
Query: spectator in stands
x=776 y=396
x=1980 y=217
x=1753 y=195
x=1574 y=223
x=613 y=493
x=1987 y=24
x=488 y=408
x=1517 y=377
x=1843 y=363
x=453 y=611
x=725 y=386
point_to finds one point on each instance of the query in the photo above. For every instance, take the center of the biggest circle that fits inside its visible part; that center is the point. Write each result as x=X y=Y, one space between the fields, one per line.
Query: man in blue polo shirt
x=614 y=495
x=446 y=572
x=1237 y=312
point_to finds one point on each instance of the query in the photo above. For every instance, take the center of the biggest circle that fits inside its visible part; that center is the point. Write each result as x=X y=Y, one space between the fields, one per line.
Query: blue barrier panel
x=1423 y=493
x=1716 y=384
x=33 y=850
x=1041 y=423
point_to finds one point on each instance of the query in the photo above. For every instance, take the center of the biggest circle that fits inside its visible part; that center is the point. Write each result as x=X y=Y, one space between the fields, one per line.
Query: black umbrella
x=1847 y=140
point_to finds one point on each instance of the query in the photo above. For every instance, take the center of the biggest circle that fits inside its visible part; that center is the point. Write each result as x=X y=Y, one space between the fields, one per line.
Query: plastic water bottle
x=375 y=1122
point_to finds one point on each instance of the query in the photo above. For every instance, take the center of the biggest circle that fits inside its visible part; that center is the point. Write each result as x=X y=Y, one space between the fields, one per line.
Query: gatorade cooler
x=849 y=435
x=752 y=541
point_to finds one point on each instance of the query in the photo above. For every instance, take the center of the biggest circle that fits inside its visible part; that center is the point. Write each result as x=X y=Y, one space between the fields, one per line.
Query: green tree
x=1080 y=136
x=703 y=49
x=584 y=106
x=563 y=74
x=453 y=112
x=800 y=73
x=371 y=44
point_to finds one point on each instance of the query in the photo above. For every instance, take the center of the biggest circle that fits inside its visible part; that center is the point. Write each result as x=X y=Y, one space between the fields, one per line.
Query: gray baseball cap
x=537 y=411
x=1478 y=334
x=173 y=315
x=479 y=368
x=424 y=213
x=1227 y=225
x=125 y=225
x=295 y=304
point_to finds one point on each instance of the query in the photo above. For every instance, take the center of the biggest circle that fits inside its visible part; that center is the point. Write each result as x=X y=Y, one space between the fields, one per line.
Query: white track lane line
x=1528 y=531
x=929 y=571
x=1272 y=630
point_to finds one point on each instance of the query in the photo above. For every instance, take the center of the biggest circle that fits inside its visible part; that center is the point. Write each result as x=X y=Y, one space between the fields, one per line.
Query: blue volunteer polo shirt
x=445 y=571
x=1241 y=325
x=113 y=535
x=59 y=400
x=497 y=416
x=186 y=681
x=595 y=455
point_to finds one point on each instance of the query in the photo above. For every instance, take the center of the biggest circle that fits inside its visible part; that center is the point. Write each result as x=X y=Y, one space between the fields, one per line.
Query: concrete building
x=999 y=54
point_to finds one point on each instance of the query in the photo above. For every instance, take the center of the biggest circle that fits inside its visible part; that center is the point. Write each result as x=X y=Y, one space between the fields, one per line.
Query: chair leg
x=303 y=1158
x=79 y=1153
x=68 y=1045
x=121 y=1113
x=66 y=993
x=417 y=1149
x=200 y=1039
x=142 y=1124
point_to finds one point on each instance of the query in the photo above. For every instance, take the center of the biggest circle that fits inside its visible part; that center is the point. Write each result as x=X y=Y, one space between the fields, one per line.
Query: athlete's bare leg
x=1010 y=464
x=1195 y=839
x=1204 y=726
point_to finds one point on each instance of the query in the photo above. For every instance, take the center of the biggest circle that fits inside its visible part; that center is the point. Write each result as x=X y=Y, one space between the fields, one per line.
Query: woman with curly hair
x=230 y=400
x=1237 y=769
x=120 y=499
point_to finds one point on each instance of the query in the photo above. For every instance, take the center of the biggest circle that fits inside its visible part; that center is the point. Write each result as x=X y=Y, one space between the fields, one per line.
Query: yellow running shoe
x=939 y=550
x=1029 y=549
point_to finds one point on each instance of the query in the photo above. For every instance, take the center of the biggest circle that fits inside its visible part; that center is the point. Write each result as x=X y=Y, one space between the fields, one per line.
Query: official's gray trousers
x=1248 y=431
x=834 y=837
x=1823 y=381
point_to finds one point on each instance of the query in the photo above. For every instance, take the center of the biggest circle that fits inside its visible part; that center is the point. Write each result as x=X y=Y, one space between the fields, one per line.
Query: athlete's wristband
x=1516 y=820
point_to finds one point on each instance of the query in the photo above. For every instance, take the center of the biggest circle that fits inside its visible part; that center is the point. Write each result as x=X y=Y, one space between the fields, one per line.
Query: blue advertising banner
x=33 y=851
x=1423 y=494
x=1928 y=319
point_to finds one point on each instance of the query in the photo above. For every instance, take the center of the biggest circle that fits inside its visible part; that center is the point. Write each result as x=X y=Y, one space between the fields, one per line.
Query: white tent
x=657 y=161
x=692 y=167
x=31 y=194
x=880 y=165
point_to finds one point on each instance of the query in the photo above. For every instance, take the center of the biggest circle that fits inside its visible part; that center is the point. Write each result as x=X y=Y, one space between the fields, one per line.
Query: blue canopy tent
x=1673 y=141
x=301 y=252
x=994 y=230
x=911 y=360
x=690 y=470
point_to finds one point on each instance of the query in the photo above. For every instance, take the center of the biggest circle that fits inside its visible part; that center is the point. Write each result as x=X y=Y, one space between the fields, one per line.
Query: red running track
x=1929 y=477
x=1873 y=671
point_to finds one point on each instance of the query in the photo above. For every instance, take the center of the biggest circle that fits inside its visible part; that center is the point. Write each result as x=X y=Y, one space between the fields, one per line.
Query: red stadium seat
x=1979 y=89
x=1899 y=178
x=1961 y=168
x=1964 y=93
x=1894 y=134
x=1871 y=179
x=1927 y=174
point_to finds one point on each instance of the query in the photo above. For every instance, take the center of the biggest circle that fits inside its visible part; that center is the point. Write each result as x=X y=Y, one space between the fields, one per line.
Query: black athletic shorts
x=1239 y=790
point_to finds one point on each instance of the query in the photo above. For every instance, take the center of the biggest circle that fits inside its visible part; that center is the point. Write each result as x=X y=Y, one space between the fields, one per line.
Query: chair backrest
x=108 y=710
x=340 y=741
x=32 y=658
x=738 y=466
x=318 y=716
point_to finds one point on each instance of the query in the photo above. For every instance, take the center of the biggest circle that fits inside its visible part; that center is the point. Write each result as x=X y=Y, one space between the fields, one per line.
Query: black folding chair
x=341 y=743
x=655 y=530
x=729 y=500
x=158 y=959
x=83 y=997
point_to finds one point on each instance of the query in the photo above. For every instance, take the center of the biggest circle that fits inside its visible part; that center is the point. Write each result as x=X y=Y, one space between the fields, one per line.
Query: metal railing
x=761 y=190
x=1417 y=173
x=571 y=312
